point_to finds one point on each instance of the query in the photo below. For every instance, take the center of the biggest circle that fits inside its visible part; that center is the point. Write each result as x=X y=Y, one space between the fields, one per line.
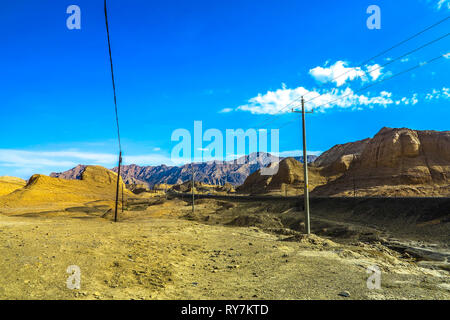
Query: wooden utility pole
x=354 y=182
x=305 y=169
x=122 y=198
x=117 y=187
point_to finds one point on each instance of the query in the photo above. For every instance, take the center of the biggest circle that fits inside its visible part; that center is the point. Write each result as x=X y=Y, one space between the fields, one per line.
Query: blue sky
x=229 y=64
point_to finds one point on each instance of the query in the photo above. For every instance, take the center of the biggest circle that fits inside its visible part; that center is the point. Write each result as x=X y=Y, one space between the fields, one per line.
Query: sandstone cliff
x=397 y=162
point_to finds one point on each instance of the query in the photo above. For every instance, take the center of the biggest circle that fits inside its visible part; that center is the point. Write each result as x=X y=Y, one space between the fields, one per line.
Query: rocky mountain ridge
x=215 y=172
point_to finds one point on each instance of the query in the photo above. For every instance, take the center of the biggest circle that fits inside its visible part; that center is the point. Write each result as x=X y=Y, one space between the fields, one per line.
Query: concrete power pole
x=305 y=170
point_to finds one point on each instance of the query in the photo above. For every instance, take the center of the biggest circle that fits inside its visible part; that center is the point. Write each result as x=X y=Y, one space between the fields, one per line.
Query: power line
x=375 y=69
x=269 y=120
x=112 y=77
x=373 y=84
x=393 y=60
x=117 y=117
x=385 y=79
x=395 y=46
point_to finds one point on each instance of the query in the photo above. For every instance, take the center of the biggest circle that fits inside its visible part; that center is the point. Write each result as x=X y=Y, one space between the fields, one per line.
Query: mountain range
x=214 y=172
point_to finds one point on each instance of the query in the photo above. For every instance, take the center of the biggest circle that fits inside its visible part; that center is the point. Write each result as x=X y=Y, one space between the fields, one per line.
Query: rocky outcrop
x=337 y=160
x=338 y=151
x=72 y=174
x=288 y=179
x=397 y=157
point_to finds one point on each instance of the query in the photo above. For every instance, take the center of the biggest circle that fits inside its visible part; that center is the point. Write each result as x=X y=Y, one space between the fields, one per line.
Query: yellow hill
x=97 y=183
x=10 y=184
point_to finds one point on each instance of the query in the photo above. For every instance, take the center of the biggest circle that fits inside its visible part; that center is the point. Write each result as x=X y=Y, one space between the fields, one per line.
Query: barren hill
x=395 y=162
x=96 y=183
x=288 y=179
x=10 y=184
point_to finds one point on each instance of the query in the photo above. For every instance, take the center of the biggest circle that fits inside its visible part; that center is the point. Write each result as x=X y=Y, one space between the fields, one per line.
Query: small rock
x=345 y=294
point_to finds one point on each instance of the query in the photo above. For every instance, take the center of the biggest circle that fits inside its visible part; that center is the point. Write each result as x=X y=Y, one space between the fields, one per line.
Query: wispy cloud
x=274 y=102
x=436 y=94
x=23 y=163
x=340 y=73
x=226 y=110
x=443 y=4
x=297 y=153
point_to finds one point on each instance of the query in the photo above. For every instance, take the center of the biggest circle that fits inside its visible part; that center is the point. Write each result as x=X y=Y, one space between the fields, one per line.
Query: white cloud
x=436 y=94
x=296 y=153
x=148 y=160
x=226 y=110
x=39 y=159
x=442 y=4
x=274 y=102
x=156 y=149
x=340 y=73
x=25 y=163
x=408 y=101
x=374 y=71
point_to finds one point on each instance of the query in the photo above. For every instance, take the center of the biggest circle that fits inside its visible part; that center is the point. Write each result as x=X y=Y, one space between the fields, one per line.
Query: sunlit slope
x=10 y=184
x=288 y=179
x=97 y=183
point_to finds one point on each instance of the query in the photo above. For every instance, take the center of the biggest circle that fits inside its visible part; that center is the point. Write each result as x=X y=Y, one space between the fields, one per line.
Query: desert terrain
x=377 y=203
x=225 y=250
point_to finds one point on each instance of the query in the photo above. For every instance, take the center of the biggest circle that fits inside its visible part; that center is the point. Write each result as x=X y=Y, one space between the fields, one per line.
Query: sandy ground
x=156 y=253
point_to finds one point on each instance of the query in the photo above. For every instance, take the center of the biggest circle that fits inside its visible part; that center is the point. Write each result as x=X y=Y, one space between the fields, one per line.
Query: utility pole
x=117 y=187
x=193 y=192
x=122 y=197
x=305 y=169
x=354 y=182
